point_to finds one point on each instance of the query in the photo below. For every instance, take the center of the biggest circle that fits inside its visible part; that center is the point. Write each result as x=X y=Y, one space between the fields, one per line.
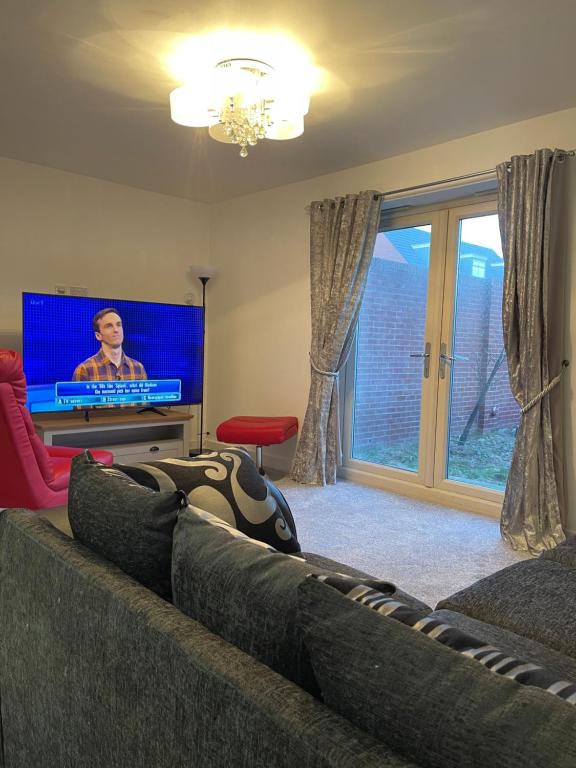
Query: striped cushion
x=471 y=647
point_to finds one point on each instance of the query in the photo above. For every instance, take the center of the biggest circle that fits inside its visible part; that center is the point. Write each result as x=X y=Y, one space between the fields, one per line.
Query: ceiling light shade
x=286 y=128
x=241 y=79
x=191 y=107
x=243 y=101
x=288 y=95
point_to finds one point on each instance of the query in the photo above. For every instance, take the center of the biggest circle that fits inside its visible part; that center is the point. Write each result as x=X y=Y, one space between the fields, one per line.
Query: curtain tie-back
x=547 y=388
x=321 y=372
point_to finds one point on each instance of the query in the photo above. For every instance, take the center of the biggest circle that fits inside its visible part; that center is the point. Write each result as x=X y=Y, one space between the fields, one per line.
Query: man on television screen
x=110 y=363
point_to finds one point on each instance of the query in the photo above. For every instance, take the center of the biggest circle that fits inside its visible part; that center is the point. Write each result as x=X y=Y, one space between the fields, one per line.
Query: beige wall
x=258 y=306
x=63 y=229
x=60 y=228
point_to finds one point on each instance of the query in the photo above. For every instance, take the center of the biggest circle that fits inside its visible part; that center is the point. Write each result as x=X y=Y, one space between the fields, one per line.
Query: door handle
x=445 y=358
x=426 y=358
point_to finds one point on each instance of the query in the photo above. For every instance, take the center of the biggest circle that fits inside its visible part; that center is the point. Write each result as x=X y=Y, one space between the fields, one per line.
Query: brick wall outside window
x=388 y=381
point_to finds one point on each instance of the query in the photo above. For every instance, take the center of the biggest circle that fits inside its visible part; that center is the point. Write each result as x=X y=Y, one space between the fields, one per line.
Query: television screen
x=142 y=353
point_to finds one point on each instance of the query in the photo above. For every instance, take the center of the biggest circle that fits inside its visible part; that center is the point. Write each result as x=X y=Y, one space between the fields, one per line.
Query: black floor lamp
x=203 y=273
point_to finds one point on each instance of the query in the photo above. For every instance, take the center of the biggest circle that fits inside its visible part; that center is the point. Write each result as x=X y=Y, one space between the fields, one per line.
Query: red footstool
x=258 y=431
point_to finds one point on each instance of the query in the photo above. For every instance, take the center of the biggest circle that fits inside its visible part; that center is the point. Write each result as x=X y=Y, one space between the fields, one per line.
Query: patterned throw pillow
x=128 y=524
x=471 y=647
x=228 y=485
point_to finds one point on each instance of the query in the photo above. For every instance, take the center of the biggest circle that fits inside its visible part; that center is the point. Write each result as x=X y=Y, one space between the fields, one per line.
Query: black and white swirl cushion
x=228 y=485
x=471 y=647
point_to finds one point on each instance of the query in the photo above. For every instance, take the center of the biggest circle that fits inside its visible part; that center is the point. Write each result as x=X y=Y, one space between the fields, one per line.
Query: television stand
x=151 y=409
x=130 y=436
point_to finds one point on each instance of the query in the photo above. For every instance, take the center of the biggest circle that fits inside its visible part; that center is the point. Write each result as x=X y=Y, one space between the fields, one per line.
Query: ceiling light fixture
x=243 y=101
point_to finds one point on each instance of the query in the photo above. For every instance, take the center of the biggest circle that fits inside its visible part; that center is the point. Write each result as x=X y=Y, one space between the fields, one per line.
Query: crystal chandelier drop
x=242 y=102
x=245 y=114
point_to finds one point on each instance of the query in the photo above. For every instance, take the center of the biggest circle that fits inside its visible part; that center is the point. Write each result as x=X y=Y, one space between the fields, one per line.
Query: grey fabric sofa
x=96 y=670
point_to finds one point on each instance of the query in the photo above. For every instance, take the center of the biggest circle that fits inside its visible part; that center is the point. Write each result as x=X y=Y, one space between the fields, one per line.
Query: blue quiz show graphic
x=90 y=393
x=58 y=336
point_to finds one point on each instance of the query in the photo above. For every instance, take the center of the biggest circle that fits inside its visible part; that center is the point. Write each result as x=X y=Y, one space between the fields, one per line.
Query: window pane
x=483 y=414
x=391 y=326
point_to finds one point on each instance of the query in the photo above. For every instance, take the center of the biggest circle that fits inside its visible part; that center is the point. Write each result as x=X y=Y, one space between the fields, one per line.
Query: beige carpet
x=427 y=550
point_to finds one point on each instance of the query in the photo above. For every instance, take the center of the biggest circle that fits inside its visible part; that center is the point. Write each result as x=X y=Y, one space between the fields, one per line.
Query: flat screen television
x=160 y=357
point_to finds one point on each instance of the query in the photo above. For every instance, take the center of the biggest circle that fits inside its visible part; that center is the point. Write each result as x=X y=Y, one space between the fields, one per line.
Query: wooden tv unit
x=130 y=436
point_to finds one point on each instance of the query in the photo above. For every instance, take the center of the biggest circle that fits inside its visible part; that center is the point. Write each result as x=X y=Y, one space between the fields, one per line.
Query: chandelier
x=241 y=102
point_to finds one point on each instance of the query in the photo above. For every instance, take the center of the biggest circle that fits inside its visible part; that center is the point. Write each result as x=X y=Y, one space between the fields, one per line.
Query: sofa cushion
x=242 y=590
x=226 y=484
x=424 y=699
x=126 y=523
x=564 y=553
x=436 y=627
x=511 y=643
x=533 y=598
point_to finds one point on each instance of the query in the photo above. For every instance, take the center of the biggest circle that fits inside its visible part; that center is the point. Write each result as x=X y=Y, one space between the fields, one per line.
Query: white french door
x=428 y=406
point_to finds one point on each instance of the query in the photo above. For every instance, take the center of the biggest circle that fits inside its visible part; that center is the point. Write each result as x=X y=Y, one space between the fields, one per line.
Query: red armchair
x=32 y=475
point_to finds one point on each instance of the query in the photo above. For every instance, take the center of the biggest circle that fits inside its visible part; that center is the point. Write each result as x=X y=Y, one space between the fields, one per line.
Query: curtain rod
x=472 y=175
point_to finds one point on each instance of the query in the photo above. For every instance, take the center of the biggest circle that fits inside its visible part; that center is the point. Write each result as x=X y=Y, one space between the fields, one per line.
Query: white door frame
x=440 y=481
x=429 y=482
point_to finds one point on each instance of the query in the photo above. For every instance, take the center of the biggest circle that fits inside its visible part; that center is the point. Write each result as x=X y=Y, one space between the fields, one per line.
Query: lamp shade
x=287 y=94
x=190 y=106
x=286 y=128
x=243 y=100
x=203 y=270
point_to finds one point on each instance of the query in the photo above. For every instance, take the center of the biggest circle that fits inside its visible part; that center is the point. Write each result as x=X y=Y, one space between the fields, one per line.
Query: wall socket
x=73 y=290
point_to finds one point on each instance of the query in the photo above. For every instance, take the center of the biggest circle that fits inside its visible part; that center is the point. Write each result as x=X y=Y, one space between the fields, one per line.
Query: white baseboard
x=281 y=464
x=422 y=493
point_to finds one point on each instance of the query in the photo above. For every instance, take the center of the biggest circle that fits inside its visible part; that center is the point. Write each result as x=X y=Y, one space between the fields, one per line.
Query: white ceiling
x=83 y=88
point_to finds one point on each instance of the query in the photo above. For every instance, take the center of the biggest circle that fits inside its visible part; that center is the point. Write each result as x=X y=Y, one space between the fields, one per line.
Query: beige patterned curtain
x=533 y=321
x=342 y=236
